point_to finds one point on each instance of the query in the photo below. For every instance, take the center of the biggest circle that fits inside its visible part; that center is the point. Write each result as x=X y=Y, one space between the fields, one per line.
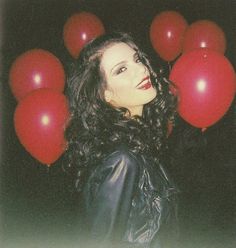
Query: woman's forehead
x=116 y=53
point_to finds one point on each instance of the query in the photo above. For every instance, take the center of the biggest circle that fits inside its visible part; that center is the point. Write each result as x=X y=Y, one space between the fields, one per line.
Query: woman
x=117 y=141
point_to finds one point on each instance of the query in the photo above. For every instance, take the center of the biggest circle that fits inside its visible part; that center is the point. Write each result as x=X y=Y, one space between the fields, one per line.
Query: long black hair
x=96 y=128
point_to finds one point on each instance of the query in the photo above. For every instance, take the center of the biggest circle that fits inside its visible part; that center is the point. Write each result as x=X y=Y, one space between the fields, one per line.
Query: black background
x=36 y=207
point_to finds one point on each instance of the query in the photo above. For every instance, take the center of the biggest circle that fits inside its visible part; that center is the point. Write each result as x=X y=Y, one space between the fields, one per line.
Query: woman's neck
x=136 y=110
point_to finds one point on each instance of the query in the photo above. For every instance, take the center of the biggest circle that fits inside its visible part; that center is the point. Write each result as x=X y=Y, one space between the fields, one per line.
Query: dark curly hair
x=96 y=128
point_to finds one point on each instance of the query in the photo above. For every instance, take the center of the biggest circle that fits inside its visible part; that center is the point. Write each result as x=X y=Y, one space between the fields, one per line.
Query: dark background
x=37 y=209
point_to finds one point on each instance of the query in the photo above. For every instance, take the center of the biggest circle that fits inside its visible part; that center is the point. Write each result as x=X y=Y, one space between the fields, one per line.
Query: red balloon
x=79 y=30
x=206 y=86
x=204 y=34
x=34 y=69
x=166 y=34
x=40 y=119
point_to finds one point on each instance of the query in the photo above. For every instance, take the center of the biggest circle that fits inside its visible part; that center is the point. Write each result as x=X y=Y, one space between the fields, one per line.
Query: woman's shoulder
x=121 y=152
x=119 y=160
x=118 y=165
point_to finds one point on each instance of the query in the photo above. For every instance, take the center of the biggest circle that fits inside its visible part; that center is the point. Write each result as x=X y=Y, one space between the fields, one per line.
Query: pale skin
x=127 y=78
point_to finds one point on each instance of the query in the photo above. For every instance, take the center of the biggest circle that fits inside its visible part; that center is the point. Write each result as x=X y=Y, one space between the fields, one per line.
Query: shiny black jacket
x=130 y=202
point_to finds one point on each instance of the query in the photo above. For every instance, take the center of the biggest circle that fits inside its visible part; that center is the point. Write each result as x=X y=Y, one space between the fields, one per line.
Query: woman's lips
x=145 y=84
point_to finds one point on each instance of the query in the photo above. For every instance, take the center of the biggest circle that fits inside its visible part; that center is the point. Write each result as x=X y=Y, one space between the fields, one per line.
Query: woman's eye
x=138 y=60
x=120 y=70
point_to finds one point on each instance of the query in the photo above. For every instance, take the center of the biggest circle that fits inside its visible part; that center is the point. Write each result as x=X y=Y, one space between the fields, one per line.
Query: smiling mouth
x=144 y=84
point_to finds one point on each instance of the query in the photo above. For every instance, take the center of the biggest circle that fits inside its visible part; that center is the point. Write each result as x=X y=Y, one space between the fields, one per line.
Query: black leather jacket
x=129 y=202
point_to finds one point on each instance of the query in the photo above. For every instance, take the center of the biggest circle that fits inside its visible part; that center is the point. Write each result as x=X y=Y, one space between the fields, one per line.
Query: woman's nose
x=141 y=68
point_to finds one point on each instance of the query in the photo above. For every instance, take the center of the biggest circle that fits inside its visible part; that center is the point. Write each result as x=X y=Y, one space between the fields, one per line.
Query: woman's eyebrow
x=135 y=55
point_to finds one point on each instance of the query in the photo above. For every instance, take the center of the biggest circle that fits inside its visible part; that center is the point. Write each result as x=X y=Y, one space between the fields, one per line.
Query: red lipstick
x=145 y=84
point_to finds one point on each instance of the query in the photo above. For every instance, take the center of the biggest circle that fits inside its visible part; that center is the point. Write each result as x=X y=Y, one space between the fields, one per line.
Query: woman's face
x=127 y=78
